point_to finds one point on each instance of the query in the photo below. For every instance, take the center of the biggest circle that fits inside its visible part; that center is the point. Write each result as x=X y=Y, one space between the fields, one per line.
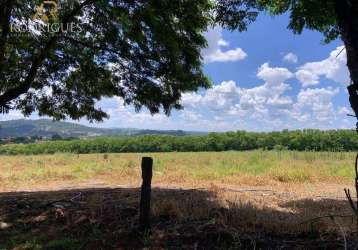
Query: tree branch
x=88 y=45
x=5 y=26
x=13 y=93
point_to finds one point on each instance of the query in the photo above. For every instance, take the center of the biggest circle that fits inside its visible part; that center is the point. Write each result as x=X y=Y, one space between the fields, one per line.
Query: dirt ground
x=95 y=215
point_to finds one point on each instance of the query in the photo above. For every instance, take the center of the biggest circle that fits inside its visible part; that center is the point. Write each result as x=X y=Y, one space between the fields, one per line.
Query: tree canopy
x=60 y=57
x=317 y=15
x=301 y=140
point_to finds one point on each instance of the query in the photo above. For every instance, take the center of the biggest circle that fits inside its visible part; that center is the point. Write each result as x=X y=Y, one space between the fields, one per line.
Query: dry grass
x=229 y=200
x=181 y=219
x=193 y=169
x=277 y=213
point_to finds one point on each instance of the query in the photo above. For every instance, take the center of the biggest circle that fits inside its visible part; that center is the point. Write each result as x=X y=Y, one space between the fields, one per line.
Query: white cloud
x=307 y=78
x=190 y=99
x=266 y=106
x=189 y=115
x=269 y=105
x=227 y=101
x=221 y=96
x=124 y=116
x=214 y=52
x=333 y=68
x=223 y=43
x=267 y=99
x=273 y=75
x=225 y=56
x=291 y=58
x=315 y=105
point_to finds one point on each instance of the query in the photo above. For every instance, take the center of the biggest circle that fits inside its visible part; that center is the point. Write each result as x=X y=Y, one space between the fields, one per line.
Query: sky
x=263 y=79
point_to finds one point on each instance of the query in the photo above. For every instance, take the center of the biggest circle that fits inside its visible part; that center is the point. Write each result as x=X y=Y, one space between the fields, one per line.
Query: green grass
x=282 y=166
x=207 y=169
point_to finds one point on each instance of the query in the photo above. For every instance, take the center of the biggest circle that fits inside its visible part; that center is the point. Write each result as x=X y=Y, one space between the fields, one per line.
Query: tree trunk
x=347 y=20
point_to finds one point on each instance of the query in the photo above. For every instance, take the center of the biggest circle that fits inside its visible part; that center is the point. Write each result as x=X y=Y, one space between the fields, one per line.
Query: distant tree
x=59 y=60
x=56 y=137
x=308 y=140
x=333 y=18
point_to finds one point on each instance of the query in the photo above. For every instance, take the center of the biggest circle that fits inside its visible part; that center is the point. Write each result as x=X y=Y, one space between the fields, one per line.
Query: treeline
x=34 y=139
x=303 y=140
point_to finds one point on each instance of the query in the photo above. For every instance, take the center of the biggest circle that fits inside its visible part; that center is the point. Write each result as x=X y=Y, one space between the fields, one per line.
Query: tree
x=56 y=137
x=60 y=57
x=334 y=18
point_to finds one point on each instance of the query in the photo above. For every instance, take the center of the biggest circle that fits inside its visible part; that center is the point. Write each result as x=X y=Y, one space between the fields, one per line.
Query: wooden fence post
x=145 y=195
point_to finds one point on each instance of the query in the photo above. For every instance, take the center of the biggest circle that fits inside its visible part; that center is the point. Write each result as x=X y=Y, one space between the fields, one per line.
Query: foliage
x=305 y=140
x=145 y=52
x=315 y=15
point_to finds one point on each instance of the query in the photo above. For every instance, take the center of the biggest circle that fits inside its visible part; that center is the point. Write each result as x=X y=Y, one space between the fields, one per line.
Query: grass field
x=252 y=167
x=238 y=200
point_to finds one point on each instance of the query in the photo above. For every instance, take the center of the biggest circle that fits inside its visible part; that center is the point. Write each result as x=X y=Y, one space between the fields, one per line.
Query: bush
x=301 y=140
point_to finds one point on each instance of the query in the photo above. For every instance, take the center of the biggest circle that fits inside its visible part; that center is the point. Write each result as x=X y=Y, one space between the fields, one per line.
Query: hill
x=48 y=128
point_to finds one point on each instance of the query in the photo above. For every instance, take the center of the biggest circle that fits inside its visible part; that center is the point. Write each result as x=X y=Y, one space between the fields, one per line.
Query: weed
x=203 y=167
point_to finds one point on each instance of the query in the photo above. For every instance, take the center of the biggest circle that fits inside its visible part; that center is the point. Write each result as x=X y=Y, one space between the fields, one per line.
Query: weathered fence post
x=145 y=195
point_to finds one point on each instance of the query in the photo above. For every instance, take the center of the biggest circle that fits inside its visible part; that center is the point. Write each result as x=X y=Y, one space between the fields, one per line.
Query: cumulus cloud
x=307 y=78
x=269 y=104
x=268 y=98
x=125 y=116
x=227 y=100
x=290 y=58
x=266 y=106
x=273 y=75
x=190 y=99
x=315 y=105
x=333 y=68
x=221 y=96
x=215 y=53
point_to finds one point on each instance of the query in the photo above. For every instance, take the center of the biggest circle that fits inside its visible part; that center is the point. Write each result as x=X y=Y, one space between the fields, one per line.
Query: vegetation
x=177 y=168
x=60 y=59
x=91 y=201
x=106 y=218
x=305 y=140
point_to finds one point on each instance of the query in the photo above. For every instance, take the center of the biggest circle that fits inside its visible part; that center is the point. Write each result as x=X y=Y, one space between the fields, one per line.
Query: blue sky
x=264 y=79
